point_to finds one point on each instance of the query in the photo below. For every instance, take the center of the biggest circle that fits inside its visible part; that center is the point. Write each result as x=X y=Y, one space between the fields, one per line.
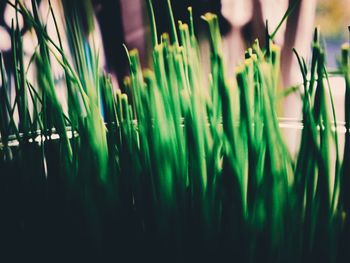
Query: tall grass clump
x=181 y=167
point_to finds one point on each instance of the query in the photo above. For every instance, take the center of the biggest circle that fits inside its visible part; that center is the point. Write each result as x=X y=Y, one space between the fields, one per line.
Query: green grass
x=181 y=167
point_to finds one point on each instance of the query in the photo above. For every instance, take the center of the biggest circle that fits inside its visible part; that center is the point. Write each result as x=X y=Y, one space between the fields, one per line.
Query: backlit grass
x=181 y=167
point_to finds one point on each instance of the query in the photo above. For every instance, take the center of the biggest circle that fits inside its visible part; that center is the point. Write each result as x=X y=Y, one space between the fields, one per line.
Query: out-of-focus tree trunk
x=298 y=35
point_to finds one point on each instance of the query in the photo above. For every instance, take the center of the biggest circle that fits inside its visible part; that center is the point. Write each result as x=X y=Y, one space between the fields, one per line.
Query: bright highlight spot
x=5 y=43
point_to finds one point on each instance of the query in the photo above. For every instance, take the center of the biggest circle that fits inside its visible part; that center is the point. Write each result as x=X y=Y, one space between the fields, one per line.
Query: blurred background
x=241 y=22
